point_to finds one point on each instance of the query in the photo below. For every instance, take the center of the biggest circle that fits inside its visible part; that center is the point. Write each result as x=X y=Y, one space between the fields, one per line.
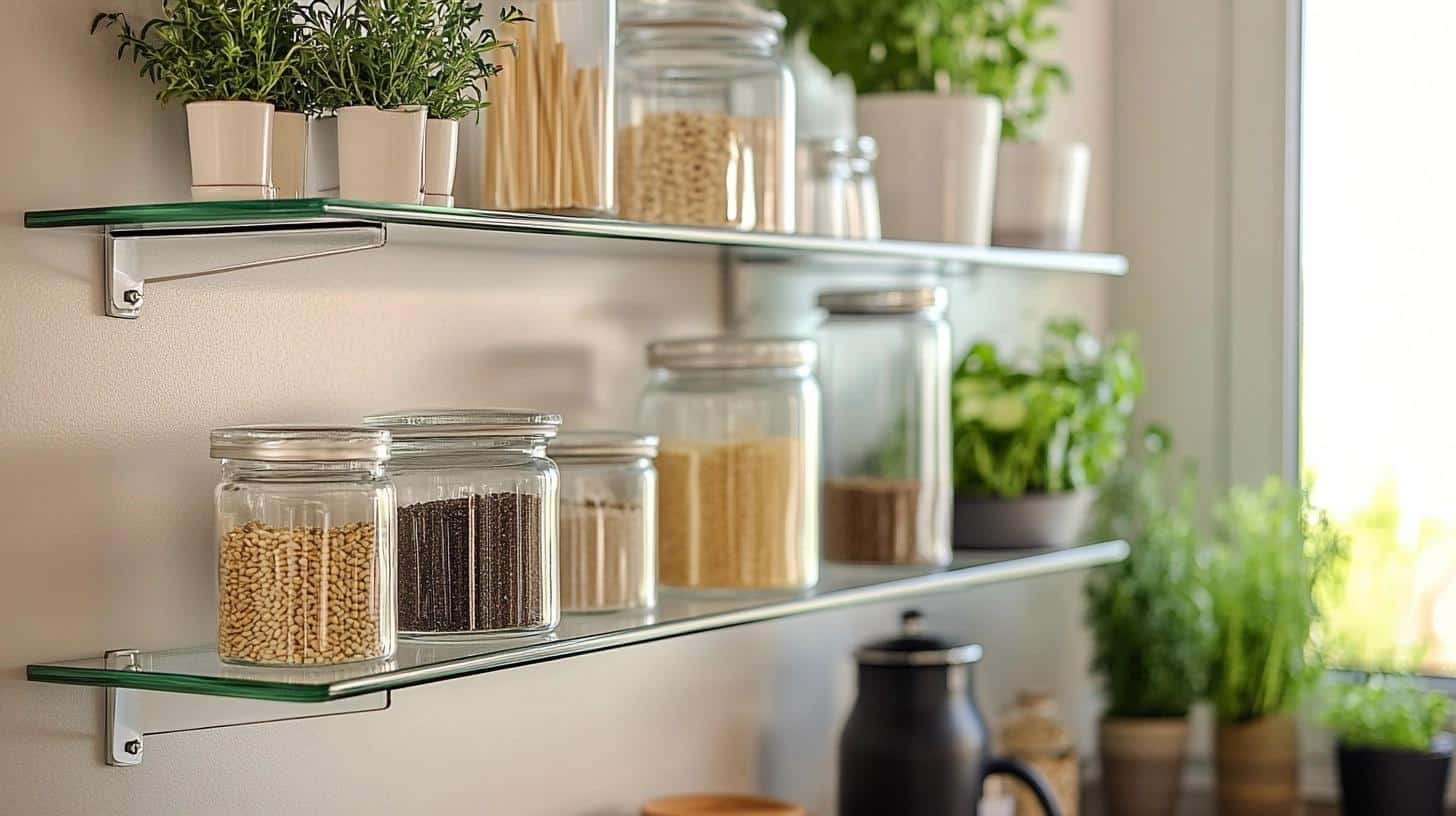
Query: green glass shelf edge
x=202 y=215
x=487 y=656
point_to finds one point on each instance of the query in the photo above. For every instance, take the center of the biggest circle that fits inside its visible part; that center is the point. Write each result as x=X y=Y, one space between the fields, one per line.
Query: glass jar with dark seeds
x=477 y=509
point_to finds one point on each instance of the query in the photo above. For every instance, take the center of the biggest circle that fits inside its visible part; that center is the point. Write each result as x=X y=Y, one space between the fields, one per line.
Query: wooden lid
x=720 y=805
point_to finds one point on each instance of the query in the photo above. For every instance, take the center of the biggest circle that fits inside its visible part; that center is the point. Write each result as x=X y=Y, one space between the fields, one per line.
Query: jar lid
x=594 y=444
x=914 y=647
x=300 y=443
x=909 y=300
x=727 y=13
x=465 y=422
x=732 y=352
x=861 y=147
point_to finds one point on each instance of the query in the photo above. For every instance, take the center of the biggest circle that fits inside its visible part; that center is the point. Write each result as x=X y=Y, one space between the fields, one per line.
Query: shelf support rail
x=133 y=715
x=125 y=283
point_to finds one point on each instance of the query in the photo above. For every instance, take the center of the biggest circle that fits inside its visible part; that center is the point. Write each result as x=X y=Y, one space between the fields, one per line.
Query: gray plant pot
x=1036 y=520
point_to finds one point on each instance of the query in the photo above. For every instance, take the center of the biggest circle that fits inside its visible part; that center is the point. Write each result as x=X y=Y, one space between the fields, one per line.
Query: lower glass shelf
x=198 y=671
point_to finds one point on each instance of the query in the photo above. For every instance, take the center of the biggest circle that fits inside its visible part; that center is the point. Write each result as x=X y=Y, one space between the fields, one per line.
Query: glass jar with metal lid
x=608 y=520
x=705 y=115
x=738 y=464
x=306 y=536
x=885 y=367
x=477 y=521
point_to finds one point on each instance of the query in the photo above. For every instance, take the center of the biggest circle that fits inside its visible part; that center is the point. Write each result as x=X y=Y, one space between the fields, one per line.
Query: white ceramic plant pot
x=442 y=146
x=231 y=144
x=290 y=153
x=382 y=154
x=321 y=170
x=937 y=164
x=1041 y=195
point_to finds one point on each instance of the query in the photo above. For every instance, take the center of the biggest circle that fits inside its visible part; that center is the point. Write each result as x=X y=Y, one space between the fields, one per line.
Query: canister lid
x=603 y=444
x=300 y=443
x=730 y=13
x=914 y=647
x=907 y=300
x=732 y=352
x=465 y=422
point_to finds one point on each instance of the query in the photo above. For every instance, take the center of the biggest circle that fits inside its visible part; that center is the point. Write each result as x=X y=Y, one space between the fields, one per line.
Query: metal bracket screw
x=133 y=747
x=132 y=296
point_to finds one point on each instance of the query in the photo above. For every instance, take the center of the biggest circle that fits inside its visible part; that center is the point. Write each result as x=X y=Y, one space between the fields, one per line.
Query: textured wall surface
x=105 y=484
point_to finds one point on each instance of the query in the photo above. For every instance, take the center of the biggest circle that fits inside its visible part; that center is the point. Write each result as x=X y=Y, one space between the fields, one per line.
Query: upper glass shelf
x=198 y=671
x=199 y=217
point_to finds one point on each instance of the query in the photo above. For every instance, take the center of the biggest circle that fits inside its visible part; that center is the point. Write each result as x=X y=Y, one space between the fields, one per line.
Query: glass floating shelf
x=198 y=671
x=226 y=217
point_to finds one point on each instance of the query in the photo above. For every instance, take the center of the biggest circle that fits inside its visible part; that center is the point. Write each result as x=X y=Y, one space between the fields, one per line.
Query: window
x=1378 y=321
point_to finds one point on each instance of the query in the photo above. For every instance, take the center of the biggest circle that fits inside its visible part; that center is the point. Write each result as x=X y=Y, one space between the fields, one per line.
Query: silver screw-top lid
x=602 y=445
x=300 y=443
x=729 y=352
x=907 y=300
x=465 y=422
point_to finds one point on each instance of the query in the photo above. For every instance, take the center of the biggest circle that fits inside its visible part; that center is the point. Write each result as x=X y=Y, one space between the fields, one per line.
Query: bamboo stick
x=560 y=126
x=527 y=107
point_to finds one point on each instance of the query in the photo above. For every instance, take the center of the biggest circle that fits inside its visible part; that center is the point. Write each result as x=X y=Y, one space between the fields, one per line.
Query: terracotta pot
x=1041 y=195
x=1142 y=764
x=231 y=144
x=1257 y=767
x=937 y=164
x=1035 y=520
x=382 y=154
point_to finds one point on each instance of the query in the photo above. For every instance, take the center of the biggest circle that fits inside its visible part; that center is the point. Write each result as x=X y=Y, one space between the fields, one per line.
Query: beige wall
x=105 y=482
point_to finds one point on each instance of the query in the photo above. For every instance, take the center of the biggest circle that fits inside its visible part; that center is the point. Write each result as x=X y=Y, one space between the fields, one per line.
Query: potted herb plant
x=1033 y=439
x=225 y=60
x=1393 y=754
x=1149 y=617
x=456 y=88
x=940 y=82
x=1275 y=550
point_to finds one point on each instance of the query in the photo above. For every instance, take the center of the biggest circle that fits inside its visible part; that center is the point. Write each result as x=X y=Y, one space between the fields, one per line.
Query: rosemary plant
x=456 y=87
x=205 y=50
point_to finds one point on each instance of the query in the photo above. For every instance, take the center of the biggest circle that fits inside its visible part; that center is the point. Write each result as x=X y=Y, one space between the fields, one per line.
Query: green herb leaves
x=201 y=50
x=1386 y=713
x=966 y=46
x=1057 y=424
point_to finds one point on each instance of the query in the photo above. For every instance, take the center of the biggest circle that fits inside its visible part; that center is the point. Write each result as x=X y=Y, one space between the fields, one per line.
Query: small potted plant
x=1393 y=754
x=1275 y=551
x=940 y=84
x=456 y=88
x=225 y=60
x=1033 y=439
x=1149 y=617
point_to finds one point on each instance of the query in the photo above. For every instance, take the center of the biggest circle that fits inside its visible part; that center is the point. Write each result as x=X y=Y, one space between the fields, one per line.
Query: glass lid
x=603 y=444
x=300 y=443
x=727 y=13
x=465 y=422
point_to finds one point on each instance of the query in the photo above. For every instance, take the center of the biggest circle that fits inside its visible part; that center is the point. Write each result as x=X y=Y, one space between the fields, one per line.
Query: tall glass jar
x=738 y=465
x=705 y=115
x=477 y=521
x=886 y=373
x=305 y=526
x=608 y=520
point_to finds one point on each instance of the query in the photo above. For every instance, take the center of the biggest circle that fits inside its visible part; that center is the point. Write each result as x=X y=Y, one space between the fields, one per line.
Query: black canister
x=915 y=743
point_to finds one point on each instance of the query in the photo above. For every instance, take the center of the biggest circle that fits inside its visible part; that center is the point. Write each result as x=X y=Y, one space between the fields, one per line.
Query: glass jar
x=477 y=521
x=305 y=527
x=886 y=373
x=738 y=463
x=837 y=194
x=705 y=115
x=608 y=520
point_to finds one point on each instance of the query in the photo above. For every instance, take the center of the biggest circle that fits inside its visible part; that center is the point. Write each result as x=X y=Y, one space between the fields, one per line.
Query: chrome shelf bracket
x=125 y=282
x=132 y=716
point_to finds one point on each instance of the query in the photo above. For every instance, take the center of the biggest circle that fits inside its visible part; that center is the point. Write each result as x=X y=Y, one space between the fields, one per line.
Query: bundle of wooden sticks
x=544 y=128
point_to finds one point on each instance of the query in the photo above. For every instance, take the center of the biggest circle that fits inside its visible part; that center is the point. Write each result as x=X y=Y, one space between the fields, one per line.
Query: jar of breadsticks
x=705 y=115
x=549 y=130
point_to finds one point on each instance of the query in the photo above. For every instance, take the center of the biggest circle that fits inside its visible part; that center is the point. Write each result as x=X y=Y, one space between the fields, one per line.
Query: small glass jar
x=608 y=520
x=305 y=526
x=705 y=115
x=887 y=479
x=738 y=462
x=477 y=522
x=837 y=194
